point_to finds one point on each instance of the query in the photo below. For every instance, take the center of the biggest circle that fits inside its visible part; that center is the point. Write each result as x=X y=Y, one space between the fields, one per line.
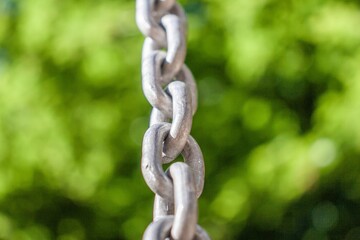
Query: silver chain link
x=163 y=23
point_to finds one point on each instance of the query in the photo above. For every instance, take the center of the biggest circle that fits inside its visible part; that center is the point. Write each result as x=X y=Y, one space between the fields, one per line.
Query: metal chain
x=175 y=215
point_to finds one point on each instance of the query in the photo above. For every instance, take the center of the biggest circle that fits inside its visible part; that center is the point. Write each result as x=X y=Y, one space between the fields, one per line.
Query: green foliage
x=279 y=104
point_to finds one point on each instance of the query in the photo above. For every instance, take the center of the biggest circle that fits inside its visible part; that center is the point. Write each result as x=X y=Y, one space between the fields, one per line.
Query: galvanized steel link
x=147 y=23
x=184 y=204
x=181 y=123
x=161 y=7
x=153 y=83
x=186 y=210
x=160 y=230
x=151 y=162
x=175 y=28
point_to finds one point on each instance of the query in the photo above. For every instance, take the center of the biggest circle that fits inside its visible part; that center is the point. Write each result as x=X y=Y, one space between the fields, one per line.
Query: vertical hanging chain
x=175 y=215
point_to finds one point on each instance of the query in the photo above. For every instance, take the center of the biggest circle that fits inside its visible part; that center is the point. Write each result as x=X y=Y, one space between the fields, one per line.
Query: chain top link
x=175 y=215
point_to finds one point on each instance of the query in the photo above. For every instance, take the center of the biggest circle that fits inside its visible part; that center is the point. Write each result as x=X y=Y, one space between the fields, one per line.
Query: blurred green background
x=278 y=119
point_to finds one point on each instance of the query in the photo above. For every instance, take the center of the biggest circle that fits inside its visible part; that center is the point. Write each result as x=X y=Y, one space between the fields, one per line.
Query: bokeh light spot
x=353 y=234
x=232 y=200
x=312 y=234
x=323 y=152
x=325 y=216
x=256 y=113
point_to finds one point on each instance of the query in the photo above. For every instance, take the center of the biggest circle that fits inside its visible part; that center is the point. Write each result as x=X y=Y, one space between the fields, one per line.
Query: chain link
x=175 y=215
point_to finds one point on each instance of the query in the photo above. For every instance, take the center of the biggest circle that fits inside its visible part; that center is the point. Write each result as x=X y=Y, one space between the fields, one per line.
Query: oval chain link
x=175 y=215
x=160 y=230
x=151 y=162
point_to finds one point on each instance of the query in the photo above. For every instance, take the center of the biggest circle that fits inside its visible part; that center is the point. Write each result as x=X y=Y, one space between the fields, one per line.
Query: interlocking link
x=160 y=230
x=153 y=82
x=186 y=210
x=175 y=28
x=146 y=22
x=163 y=103
x=170 y=88
x=151 y=162
x=181 y=123
x=161 y=7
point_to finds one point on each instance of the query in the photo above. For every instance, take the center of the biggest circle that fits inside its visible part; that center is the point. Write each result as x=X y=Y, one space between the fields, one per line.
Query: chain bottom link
x=160 y=230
